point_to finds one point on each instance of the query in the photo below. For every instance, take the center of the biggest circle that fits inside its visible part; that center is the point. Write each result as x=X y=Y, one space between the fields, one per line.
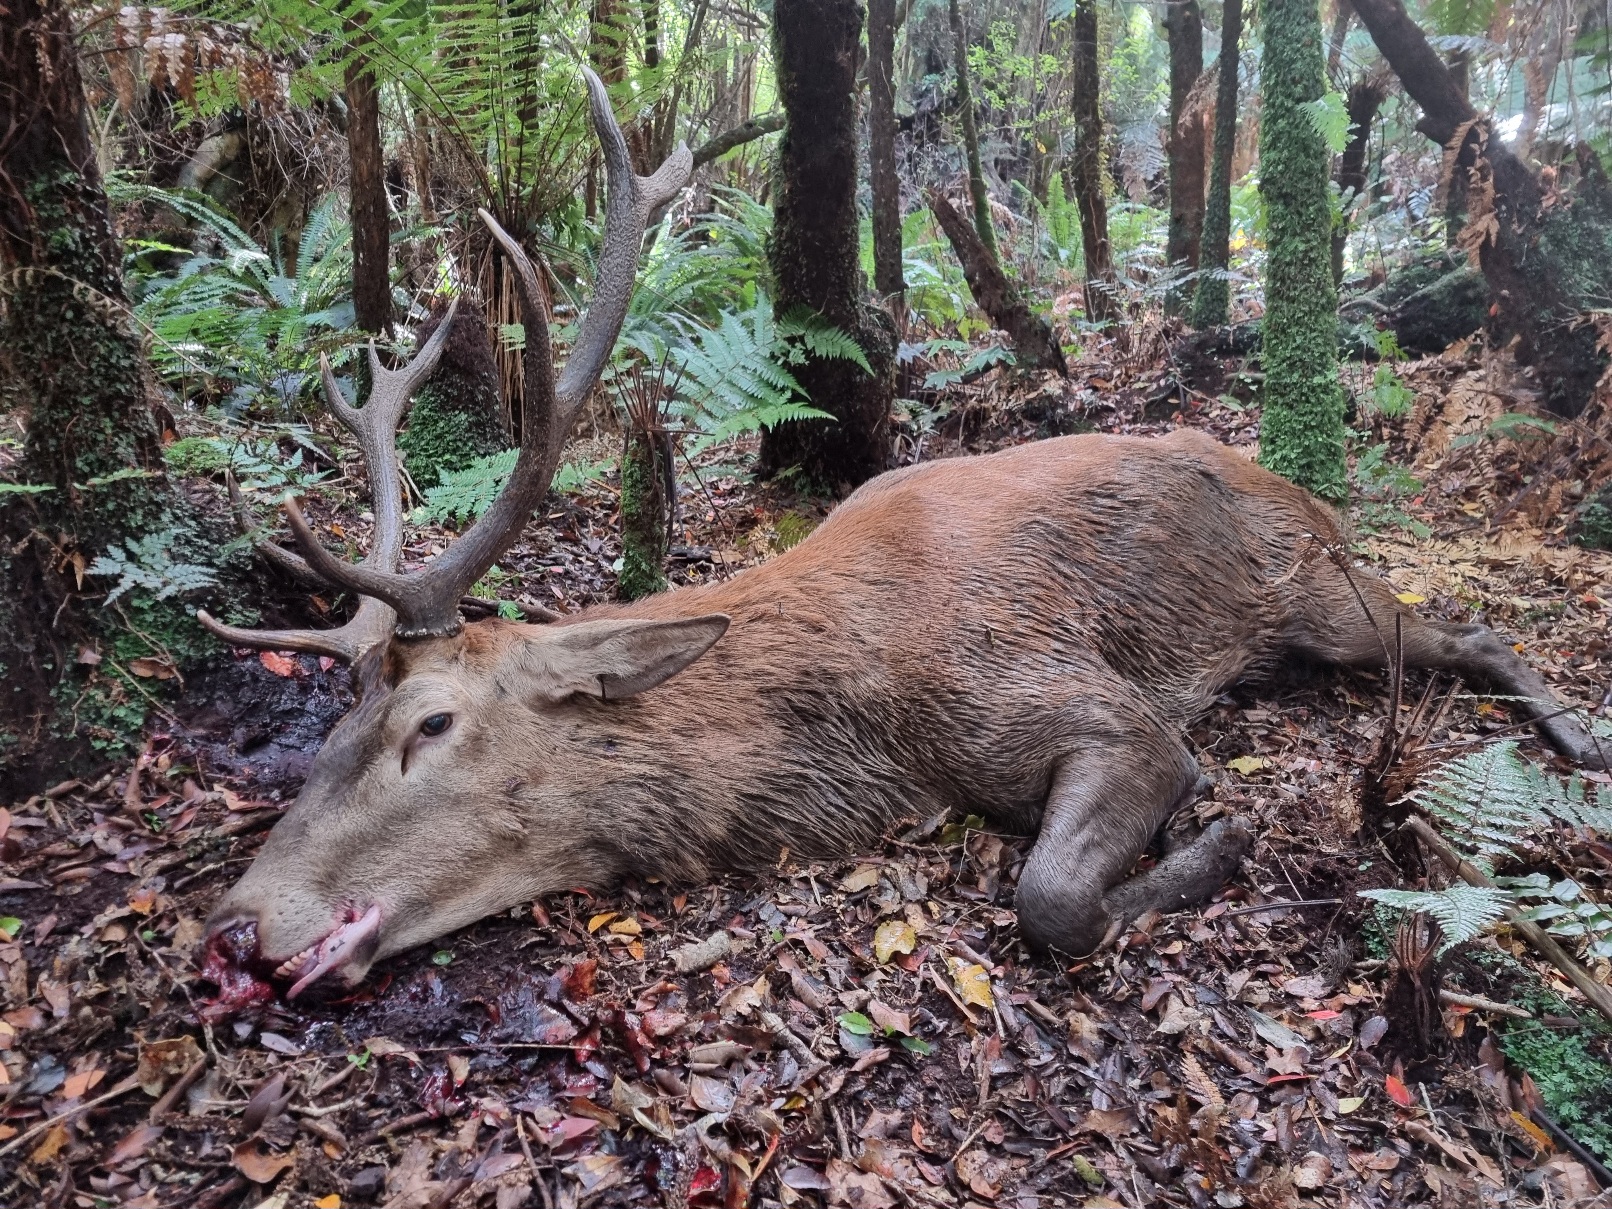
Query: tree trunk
x=1460 y=67
x=1532 y=298
x=91 y=467
x=1364 y=98
x=1183 y=27
x=458 y=413
x=886 y=187
x=645 y=513
x=1034 y=346
x=1301 y=428
x=1211 y=301
x=815 y=247
x=1086 y=167
x=372 y=286
x=971 y=135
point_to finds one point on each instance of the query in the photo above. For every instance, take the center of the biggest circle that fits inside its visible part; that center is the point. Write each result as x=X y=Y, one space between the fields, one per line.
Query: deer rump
x=1021 y=635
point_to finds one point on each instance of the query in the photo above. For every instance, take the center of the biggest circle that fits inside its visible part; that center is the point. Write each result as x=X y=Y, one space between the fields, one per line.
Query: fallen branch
x=719 y=145
x=1597 y=994
x=27 y=1136
x=1479 y=1004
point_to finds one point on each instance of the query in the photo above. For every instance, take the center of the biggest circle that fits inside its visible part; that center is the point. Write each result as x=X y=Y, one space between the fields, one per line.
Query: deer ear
x=612 y=659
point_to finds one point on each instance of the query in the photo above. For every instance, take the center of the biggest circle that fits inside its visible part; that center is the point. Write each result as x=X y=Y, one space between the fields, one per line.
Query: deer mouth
x=351 y=939
x=234 y=961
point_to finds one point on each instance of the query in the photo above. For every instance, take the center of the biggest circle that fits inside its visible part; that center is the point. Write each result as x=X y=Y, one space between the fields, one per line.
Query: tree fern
x=1492 y=805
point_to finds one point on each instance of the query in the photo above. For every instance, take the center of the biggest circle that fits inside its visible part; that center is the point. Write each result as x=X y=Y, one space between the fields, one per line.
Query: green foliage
x=1329 y=118
x=252 y=454
x=1463 y=912
x=1592 y=526
x=1574 y=1082
x=1513 y=426
x=465 y=494
x=146 y=563
x=736 y=377
x=1454 y=18
x=1492 y=805
x=233 y=320
x=1390 y=397
x=1380 y=488
x=1301 y=431
x=1062 y=225
x=437 y=441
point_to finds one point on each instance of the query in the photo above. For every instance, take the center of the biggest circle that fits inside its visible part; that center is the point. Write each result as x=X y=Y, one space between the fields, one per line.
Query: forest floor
x=877 y=1036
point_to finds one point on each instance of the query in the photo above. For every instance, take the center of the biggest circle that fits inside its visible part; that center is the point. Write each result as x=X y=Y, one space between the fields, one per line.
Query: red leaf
x=1398 y=1092
x=280 y=665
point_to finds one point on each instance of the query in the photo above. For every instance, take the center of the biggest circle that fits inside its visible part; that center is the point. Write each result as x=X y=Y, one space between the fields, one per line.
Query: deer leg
x=1474 y=652
x=1108 y=799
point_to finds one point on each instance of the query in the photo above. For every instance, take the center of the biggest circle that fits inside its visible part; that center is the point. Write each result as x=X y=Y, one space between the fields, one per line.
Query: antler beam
x=427 y=602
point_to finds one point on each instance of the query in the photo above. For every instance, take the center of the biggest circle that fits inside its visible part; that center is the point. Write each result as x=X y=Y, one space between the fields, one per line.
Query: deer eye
x=435 y=725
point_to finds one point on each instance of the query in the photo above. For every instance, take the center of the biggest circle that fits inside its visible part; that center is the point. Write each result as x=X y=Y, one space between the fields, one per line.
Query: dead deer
x=1021 y=635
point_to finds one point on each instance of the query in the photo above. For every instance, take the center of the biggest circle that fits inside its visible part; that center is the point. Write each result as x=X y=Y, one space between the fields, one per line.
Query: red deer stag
x=1021 y=635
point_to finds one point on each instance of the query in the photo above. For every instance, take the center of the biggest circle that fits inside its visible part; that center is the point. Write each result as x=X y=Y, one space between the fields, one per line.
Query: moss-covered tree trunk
x=1211 y=301
x=882 y=178
x=457 y=414
x=1086 y=165
x=645 y=513
x=1301 y=432
x=977 y=191
x=90 y=474
x=814 y=247
x=1183 y=29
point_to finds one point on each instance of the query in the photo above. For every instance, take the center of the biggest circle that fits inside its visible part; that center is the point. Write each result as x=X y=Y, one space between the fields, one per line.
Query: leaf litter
x=867 y=1035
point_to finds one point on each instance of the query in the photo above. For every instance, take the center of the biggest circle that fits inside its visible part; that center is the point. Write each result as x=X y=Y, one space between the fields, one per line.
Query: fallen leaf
x=1314 y=1172
x=887 y=1018
x=983 y=1175
x=854 y=1188
x=1398 y=1092
x=83 y=1081
x=1349 y=1103
x=148 y=668
x=626 y=927
x=710 y=1095
x=280 y=665
x=333 y=1201
x=134 y=1144
x=893 y=936
x=1246 y=765
x=1410 y=598
x=47 y=1150
x=254 y=1160
x=972 y=982
x=863 y=878
x=600 y=920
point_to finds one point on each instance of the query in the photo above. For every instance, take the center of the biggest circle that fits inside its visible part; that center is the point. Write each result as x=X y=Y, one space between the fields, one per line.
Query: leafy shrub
x=463 y=495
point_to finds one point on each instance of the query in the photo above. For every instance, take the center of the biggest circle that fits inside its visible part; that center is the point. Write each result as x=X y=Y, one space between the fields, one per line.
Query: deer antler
x=427 y=601
x=375 y=425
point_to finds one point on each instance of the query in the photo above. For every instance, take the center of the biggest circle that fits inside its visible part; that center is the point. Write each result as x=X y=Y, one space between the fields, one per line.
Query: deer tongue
x=333 y=952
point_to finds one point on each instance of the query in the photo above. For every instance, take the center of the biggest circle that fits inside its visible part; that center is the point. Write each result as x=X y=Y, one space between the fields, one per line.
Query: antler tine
x=630 y=202
x=375 y=426
x=427 y=601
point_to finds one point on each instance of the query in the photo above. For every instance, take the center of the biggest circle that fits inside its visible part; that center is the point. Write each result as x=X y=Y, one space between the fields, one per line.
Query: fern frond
x=1463 y=912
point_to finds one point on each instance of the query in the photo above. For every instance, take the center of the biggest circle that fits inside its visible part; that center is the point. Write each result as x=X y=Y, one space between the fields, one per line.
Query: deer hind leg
x=1345 y=635
x=1108 y=798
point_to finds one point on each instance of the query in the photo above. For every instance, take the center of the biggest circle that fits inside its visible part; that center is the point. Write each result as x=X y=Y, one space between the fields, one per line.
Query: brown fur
x=1021 y=635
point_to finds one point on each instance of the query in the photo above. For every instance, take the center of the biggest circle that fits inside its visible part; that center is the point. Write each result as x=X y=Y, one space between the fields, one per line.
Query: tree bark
x=719 y=145
x=885 y=185
x=1183 y=27
x=71 y=365
x=1364 y=98
x=1301 y=423
x=371 y=223
x=815 y=247
x=1531 y=301
x=1211 y=301
x=1034 y=346
x=1086 y=167
x=971 y=134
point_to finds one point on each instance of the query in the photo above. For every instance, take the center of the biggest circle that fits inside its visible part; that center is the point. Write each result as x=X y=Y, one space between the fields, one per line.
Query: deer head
x=416 y=767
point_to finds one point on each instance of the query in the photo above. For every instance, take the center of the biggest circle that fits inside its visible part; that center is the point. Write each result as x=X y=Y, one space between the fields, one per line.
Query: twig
x=1479 y=1004
x=180 y=1087
x=1597 y=994
x=1283 y=905
x=27 y=1136
x=1597 y=1168
x=537 y=1176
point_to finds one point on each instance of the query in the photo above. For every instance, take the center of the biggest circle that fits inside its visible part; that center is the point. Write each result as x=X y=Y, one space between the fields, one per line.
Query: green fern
x=463 y=495
x=1463 y=912
x=1329 y=118
x=147 y=563
x=1492 y=805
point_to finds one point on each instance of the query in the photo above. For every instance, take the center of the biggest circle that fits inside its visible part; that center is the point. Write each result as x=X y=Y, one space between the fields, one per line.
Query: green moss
x=457 y=415
x=1301 y=432
x=643 y=519
x=195 y=457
